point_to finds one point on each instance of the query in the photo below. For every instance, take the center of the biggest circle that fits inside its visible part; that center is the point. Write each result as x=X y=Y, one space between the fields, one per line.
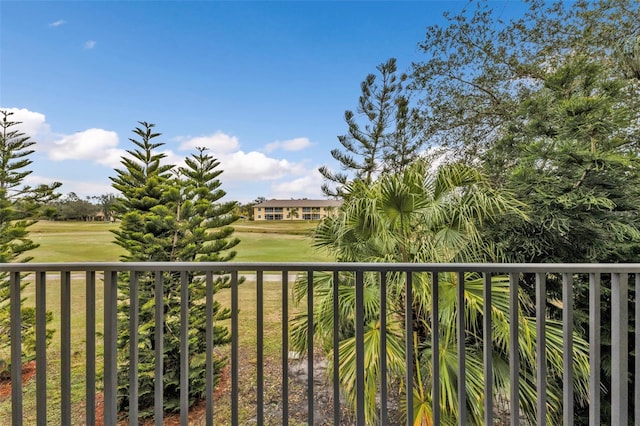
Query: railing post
x=408 y=319
x=359 y=329
x=310 y=331
x=567 y=353
x=16 y=348
x=637 y=366
x=235 y=335
x=462 y=370
x=134 y=321
x=619 y=349
x=285 y=347
x=158 y=340
x=110 y=347
x=65 y=346
x=90 y=336
x=594 y=349
x=514 y=355
x=184 y=348
x=41 y=348
x=384 y=417
x=209 y=348
x=260 y=348
x=336 y=348
x=541 y=351
x=488 y=350
x=435 y=347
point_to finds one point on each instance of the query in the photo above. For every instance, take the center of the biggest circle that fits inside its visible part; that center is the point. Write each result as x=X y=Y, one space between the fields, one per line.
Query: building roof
x=300 y=203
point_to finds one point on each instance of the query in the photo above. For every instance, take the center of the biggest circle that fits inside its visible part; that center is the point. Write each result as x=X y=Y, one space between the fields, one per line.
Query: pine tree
x=18 y=203
x=572 y=156
x=172 y=216
x=386 y=141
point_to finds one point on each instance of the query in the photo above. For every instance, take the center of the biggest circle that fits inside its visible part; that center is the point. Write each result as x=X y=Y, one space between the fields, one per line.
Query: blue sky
x=264 y=85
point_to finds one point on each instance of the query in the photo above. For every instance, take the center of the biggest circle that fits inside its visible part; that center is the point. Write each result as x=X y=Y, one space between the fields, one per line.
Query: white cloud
x=89 y=44
x=307 y=186
x=98 y=145
x=81 y=188
x=296 y=144
x=34 y=180
x=245 y=172
x=172 y=158
x=33 y=124
x=218 y=143
x=255 y=165
x=240 y=167
x=237 y=164
x=58 y=23
x=86 y=189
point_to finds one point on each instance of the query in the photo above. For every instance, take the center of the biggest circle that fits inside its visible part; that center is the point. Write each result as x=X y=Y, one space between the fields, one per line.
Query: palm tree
x=427 y=216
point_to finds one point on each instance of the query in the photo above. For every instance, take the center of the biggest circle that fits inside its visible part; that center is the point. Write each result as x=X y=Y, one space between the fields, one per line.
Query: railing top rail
x=323 y=266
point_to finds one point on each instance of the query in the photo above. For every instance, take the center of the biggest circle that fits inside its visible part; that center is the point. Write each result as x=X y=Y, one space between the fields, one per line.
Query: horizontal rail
x=576 y=268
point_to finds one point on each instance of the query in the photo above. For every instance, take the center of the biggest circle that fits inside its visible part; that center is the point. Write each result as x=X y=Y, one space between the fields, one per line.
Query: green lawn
x=74 y=242
x=301 y=227
x=277 y=248
x=93 y=241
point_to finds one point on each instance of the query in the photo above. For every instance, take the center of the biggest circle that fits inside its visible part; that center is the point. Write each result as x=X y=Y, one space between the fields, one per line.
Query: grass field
x=298 y=227
x=93 y=241
x=74 y=242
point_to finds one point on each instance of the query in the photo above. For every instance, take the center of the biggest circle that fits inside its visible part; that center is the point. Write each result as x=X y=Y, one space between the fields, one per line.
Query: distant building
x=295 y=209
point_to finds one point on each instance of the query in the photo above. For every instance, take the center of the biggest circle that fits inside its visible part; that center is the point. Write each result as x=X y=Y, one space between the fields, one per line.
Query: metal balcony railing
x=73 y=276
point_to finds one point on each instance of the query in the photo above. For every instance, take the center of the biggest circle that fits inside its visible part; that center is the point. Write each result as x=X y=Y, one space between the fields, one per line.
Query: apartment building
x=295 y=209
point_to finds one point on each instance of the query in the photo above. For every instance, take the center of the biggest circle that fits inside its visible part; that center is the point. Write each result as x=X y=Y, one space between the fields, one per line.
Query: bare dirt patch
x=297 y=400
x=28 y=372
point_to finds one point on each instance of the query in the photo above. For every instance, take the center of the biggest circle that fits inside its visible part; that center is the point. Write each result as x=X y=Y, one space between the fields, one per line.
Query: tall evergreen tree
x=572 y=156
x=18 y=203
x=387 y=139
x=172 y=216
